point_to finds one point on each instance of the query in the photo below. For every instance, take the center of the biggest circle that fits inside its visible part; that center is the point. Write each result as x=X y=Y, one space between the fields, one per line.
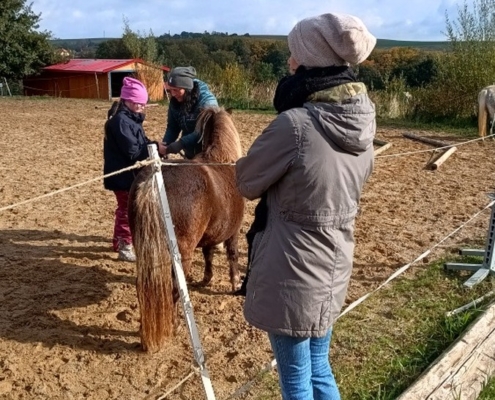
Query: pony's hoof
x=206 y=281
x=203 y=283
x=236 y=287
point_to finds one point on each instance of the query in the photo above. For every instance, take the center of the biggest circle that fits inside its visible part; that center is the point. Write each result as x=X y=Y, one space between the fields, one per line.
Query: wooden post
x=383 y=146
x=433 y=142
x=7 y=84
x=379 y=142
x=440 y=160
x=97 y=86
x=463 y=369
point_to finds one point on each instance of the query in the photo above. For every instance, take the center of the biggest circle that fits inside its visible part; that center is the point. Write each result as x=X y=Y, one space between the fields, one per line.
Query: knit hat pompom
x=330 y=39
x=134 y=90
x=182 y=77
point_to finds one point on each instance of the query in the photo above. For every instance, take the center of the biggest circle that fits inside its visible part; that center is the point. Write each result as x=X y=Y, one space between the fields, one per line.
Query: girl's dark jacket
x=125 y=143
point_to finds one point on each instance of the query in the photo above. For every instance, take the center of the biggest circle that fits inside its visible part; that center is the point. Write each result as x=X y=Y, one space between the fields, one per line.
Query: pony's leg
x=208 y=253
x=233 y=258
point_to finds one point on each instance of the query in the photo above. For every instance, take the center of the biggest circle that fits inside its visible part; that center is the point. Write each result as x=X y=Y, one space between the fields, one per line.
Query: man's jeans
x=304 y=367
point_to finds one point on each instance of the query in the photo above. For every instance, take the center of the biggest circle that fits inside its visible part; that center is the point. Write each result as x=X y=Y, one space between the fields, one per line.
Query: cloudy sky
x=418 y=20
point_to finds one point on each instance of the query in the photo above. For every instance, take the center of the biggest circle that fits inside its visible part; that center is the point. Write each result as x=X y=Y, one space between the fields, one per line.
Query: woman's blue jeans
x=304 y=367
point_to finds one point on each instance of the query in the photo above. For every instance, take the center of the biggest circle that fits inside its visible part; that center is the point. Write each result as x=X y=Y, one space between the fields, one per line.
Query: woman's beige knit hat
x=330 y=39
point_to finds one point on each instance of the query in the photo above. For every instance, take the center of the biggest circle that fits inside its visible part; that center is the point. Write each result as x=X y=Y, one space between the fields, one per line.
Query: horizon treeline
x=264 y=59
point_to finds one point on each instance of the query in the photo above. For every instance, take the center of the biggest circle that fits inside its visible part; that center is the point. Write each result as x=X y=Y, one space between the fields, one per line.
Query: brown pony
x=206 y=210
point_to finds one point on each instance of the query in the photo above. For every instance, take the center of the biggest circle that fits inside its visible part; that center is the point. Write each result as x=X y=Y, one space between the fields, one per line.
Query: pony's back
x=221 y=142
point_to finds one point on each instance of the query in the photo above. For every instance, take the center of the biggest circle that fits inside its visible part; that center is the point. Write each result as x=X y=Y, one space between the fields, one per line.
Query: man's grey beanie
x=330 y=39
x=182 y=77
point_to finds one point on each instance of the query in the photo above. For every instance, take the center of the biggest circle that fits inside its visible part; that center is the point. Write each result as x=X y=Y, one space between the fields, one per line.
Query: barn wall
x=72 y=85
x=152 y=78
x=46 y=84
x=89 y=85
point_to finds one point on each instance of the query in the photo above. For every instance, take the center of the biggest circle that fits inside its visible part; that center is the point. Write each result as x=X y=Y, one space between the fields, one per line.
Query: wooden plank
x=433 y=142
x=382 y=148
x=379 y=142
x=462 y=370
x=440 y=160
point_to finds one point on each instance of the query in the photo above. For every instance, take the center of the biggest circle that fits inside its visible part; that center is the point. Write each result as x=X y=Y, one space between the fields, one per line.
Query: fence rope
x=404 y=268
x=177 y=386
x=139 y=164
x=194 y=164
x=436 y=148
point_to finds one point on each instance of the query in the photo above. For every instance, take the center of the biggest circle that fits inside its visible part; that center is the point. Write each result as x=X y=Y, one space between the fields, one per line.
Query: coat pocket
x=306 y=308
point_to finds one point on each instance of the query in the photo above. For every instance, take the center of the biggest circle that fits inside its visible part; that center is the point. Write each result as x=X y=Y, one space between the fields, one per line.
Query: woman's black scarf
x=293 y=91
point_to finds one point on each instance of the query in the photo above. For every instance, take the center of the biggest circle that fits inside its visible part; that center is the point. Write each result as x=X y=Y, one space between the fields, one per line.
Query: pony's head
x=219 y=136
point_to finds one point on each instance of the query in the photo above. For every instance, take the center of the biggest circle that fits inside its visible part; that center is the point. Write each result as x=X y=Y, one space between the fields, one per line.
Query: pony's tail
x=482 y=114
x=154 y=275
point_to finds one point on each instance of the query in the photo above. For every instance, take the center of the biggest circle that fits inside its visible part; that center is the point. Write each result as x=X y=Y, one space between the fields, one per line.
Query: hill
x=78 y=44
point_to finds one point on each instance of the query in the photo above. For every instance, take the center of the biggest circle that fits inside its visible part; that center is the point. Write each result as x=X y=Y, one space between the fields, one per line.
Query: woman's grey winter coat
x=313 y=162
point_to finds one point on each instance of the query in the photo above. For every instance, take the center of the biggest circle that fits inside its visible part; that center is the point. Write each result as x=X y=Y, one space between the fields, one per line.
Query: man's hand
x=174 y=147
x=162 y=149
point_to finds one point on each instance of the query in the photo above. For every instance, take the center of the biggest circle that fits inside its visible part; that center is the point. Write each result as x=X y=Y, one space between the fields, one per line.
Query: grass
x=462 y=127
x=380 y=348
x=488 y=392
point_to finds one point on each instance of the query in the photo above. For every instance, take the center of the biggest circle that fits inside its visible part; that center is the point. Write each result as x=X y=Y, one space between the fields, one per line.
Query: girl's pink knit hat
x=133 y=90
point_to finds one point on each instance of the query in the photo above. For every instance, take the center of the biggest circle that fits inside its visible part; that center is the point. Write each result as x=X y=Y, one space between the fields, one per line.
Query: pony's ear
x=229 y=110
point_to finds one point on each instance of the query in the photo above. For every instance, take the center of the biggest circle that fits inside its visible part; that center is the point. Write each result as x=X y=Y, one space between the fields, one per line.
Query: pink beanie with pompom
x=134 y=90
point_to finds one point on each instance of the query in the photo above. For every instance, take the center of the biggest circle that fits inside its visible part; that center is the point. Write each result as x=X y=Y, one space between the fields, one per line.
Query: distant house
x=63 y=53
x=94 y=79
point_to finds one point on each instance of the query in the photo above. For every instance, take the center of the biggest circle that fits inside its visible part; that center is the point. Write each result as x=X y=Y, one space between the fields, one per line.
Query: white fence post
x=179 y=274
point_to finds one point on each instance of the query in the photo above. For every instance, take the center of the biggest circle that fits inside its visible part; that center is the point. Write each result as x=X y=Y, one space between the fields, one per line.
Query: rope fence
x=436 y=148
x=137 y=165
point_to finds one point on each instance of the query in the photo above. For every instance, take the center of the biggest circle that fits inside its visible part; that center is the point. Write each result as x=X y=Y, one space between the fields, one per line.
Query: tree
x=139 y=45
x=470 y=65
x=23 y=50
x=113 y=48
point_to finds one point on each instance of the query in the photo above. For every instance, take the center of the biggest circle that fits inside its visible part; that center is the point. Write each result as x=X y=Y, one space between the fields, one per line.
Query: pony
x=486 y=110
x=206 y=210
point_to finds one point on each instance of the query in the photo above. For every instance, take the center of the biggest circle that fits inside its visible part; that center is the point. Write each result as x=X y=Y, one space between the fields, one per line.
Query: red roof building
x=94 y=78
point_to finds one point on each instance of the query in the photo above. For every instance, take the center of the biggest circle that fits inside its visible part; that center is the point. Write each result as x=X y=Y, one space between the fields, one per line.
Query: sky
x=414 y=20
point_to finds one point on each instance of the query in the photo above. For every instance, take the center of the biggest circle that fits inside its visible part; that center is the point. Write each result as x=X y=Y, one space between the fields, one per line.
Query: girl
x=125 y=143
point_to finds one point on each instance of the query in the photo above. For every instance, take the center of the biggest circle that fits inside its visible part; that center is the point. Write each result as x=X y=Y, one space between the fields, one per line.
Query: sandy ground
x=68 y=309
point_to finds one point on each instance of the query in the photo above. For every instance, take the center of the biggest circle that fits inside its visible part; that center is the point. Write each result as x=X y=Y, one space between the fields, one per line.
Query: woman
x=189 y=96
x=125 y=143
x=309 y=165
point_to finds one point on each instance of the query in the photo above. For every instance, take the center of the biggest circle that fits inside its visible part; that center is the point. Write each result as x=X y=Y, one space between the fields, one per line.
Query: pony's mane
x=220 y=138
